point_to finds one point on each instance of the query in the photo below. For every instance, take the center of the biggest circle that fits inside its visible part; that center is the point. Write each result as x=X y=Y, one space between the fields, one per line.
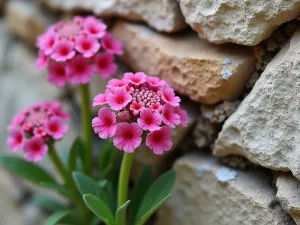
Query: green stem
x=67 y=179
x=87 y=126
x=59 y=166
x=124 y=178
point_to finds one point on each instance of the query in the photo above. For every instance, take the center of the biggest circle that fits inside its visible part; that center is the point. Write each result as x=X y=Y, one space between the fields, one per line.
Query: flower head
x=83 y=36
x=128 y=136
x=33 y=127
x=142 y=105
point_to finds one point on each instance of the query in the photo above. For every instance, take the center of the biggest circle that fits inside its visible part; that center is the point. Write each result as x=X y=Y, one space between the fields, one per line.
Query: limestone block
x=25 y=20
x=162 y=15
x=207 y=193
x=266 y=126
x=288 y=194
x=204 y=72
x=243 y=22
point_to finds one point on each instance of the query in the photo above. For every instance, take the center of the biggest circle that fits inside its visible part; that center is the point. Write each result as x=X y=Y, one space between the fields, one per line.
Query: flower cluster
x=32 y=128
x=139 y=106
x=75 y=50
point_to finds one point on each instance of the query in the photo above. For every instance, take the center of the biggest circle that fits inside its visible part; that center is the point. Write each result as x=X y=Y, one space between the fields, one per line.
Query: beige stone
x=266 y=125
x=288 y=194
x=162 y=15
x=243 y=22
x=192 y=66
x=25 y=20
x=207 y=193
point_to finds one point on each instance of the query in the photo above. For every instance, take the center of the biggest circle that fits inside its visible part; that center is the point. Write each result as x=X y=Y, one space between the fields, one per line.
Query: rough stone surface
x=288 y=194
x=243 y=22
x=144 y=156
x=163 y=15
x=25 y=20
x=192 y=66
x=266 y=125
x=207 y=193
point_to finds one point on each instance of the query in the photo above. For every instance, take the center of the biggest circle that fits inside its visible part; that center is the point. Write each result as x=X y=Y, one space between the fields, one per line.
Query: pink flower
x=42 y=60
x=39 y=132
x=160 y=140
x=105 y=65
x=111 y=45
x=63 y=51
x=149 y=120
x=55 y=128
x=47 y=42
x=137 y=78
x=35 y=149
x=155 y=81
x=99 y=99
x=169 y=116
x=16 y=140
x=87 y=46
x=168 y=96
x=57 y=74
x=183 y=116
x=118 y=99
x=114 y=83
x=79 y=70
x=156 y=107
x=128 y=136
x=137 y=107
x=17 y=121
x=105 y=124
x=95 y=28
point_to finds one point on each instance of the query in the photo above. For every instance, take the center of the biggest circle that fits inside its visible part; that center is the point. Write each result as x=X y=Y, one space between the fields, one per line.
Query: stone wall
x=236 y=65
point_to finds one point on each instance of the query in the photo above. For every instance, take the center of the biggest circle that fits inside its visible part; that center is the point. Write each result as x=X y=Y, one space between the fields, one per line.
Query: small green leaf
x=26 y=170
x=99 y=208
x=56 y=217
x=87 y=185
x=48 y=203
x=76 y=148
x=141 y=186
x=159 y=191
x=121 y=214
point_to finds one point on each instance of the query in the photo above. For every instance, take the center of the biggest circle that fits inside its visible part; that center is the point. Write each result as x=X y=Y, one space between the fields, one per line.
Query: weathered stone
x=192 y=66
x=220 y=112
x=25 y=20
x=144 y=156
x=266 y=125
x=163 y=15
x=205 y=132
x=5 y=41
x=288 y=194
x=242 y=22
x=207 y=193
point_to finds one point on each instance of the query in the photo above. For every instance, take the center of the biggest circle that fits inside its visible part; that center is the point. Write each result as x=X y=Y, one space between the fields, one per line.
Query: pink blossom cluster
x=32 y=128
x=74 y=51
x=139 y=106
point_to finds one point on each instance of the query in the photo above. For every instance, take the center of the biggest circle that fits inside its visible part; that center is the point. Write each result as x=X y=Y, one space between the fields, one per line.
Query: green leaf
x=26 y=170
x=76 y=148
x=48 y=203
x=121 y=214
x=87 y=185
x=141 y=186
x=159 y=191
x=99 y=208
x=56 y=217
